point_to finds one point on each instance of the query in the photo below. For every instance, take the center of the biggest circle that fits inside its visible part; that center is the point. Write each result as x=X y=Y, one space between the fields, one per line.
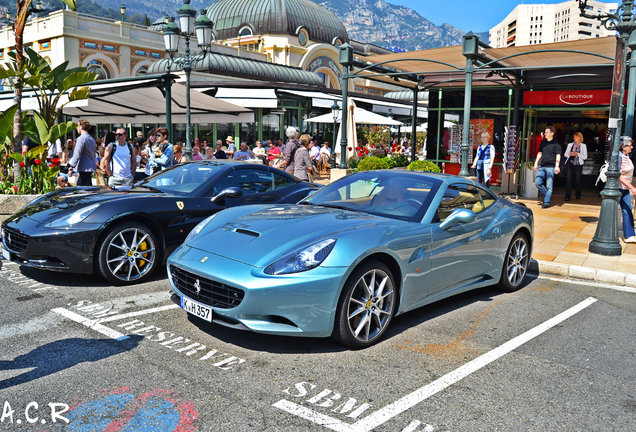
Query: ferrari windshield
x=182 y=179
x=390 y=193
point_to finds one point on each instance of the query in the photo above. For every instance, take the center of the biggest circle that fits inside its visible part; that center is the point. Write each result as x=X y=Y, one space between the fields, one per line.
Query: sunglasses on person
x=119 y=134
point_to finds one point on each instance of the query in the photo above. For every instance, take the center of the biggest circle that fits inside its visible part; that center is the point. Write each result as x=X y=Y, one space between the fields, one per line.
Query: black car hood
x=70 y=199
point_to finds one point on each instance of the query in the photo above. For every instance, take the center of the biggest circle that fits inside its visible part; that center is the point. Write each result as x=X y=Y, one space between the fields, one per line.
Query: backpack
x=113 y=147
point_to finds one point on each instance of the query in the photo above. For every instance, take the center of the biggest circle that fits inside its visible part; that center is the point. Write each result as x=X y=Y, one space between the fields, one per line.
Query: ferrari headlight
x=302 y=260
x=73 y=218
x=197 y=229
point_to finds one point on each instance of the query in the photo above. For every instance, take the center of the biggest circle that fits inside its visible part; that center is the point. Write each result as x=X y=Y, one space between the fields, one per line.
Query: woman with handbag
x=575 y=155
x=626 y=168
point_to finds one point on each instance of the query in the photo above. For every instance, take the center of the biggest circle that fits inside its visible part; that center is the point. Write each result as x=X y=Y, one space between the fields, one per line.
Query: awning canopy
x=248 y=97
x=143 y=101
x=361 y=116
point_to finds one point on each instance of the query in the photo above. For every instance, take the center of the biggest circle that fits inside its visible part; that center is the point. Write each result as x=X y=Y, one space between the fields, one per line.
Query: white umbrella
x=361 y=116
x=423 y=127
x=352 y=136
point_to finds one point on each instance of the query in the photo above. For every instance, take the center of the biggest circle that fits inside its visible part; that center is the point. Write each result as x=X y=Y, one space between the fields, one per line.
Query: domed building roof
x=276 y=17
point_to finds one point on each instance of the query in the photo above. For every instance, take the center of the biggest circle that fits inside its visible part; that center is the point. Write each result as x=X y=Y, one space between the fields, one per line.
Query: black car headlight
x=304 y=259
x=73 y=218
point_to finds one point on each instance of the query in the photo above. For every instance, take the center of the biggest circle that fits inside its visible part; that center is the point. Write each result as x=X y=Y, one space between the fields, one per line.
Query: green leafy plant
x=423 y=165
x=373 y=163
x=399 y=160
x=54 y=87
x=376 y=135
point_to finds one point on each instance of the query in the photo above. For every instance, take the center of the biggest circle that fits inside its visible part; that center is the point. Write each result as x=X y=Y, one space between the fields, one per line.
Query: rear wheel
x=515 y=264
x=366 y=306
x=128 y=254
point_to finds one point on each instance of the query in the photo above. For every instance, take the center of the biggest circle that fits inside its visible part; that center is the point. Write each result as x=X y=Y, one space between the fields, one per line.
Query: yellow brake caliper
x=143 y=246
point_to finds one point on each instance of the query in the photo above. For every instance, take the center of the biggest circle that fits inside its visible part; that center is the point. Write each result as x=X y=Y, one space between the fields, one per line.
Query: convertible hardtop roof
x=446 y=178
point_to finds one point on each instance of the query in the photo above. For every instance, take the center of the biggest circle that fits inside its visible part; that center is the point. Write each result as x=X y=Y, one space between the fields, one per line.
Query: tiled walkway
x=563 y=232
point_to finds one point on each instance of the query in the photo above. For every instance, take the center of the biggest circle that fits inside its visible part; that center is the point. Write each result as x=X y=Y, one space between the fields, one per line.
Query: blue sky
x=475 y=15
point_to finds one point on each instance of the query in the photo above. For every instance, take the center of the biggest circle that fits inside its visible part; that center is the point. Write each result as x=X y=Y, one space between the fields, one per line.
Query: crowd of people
x=122 y=160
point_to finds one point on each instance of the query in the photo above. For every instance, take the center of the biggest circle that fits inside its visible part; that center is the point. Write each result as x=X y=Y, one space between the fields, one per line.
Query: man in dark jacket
x=547 y=164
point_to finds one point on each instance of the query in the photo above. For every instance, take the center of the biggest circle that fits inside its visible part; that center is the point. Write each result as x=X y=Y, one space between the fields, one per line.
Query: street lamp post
x=335 y=112
x=122 y=9
x=346 y=60
x=202 y=28
x=470 y=46
x=605 y=241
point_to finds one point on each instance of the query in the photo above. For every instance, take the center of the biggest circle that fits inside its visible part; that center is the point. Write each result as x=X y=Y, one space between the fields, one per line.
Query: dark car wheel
x=128 y=253
x=366 y=306
x=515 y=264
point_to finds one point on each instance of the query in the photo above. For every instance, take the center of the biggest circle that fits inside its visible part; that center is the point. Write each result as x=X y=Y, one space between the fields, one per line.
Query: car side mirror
x=231 y=192
x=458 y=216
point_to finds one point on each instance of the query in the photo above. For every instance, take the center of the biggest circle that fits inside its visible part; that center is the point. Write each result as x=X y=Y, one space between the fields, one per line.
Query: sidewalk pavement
x=562 y=234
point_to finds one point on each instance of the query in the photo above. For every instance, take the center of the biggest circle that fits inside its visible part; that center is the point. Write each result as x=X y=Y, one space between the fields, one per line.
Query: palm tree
x=23 y=10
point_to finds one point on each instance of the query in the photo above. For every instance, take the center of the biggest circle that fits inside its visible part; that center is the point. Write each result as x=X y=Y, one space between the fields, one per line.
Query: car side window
x=281 y=182
x=250 y=181
x=458 y=196
x=487 y=198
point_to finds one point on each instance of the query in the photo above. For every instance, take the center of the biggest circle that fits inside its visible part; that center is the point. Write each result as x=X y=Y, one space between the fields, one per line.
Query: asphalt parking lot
x=81 y=355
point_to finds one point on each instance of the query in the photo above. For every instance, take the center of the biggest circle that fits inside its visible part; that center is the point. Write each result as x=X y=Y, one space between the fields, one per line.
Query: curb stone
x=585 y=273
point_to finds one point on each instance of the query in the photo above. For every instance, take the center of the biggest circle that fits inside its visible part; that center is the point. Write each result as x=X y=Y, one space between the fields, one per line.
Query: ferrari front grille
x=15 y=240
x=206 y=291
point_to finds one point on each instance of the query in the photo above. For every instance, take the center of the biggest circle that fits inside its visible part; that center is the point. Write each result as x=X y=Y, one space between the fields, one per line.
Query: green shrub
x=423 y=165
x=373 y=163
x=399 y=160
x=353 y=162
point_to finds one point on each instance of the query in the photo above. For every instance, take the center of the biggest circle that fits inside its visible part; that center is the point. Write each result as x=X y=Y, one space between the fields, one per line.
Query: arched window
x=143 y=70
x=102 y=71
x=245 y=31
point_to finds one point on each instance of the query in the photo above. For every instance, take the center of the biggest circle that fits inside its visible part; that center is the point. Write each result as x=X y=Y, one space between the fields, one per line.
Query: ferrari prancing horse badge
x=180 y=205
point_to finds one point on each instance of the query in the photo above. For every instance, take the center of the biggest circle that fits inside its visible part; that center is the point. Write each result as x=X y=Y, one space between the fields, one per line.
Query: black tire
x=362 y=317
x=128 y=254
x=515 y=264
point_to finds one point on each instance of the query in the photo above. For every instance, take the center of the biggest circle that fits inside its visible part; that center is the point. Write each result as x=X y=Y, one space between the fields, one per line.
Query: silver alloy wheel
x=370 y=305
x=517 y=261
x=131 y=254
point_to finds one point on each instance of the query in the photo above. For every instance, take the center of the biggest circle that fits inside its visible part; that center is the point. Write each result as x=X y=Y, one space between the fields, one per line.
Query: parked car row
x=284 y=257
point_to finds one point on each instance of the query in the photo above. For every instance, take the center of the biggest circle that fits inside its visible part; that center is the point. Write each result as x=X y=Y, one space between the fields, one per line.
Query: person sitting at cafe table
x=244 y=153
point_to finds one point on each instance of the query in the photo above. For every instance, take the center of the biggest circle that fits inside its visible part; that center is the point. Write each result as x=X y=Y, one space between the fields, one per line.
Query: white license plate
x=196 y=308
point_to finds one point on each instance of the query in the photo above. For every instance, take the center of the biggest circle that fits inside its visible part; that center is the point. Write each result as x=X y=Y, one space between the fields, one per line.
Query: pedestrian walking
x=84 y=155
x=302 y=163
x=289 y=151
x=162 y=154
x=626 y=168
x=547 y=164
x=575 y=155
x=120 y=160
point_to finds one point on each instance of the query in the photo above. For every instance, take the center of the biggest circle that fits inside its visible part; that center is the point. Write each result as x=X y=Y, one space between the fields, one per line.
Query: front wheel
x=366 y=306
x=515 y=264
x=128 y=254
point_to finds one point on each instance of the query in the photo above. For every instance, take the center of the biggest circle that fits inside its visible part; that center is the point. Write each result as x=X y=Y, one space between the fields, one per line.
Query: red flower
x=56 y=161
x=358 y=148
x=349 y=148
x=52 y=165
x=361 y=154
x=22 y=164
x=366 y=150
x=37 y=161
x=15 y=189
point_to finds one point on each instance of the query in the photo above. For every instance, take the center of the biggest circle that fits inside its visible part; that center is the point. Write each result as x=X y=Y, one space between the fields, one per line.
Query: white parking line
x=90 y=324
x=392 y=410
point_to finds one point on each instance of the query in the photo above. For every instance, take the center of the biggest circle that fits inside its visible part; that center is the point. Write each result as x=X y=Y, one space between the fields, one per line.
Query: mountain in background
x=391 y=26
x=369 y=21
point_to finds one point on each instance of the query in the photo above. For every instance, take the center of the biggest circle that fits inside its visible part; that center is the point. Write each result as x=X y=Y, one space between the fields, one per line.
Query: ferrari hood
x=70 y=199
x=261 y=236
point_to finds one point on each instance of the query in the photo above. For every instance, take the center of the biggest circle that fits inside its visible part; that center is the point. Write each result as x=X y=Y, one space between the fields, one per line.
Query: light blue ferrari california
x=347 y=259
